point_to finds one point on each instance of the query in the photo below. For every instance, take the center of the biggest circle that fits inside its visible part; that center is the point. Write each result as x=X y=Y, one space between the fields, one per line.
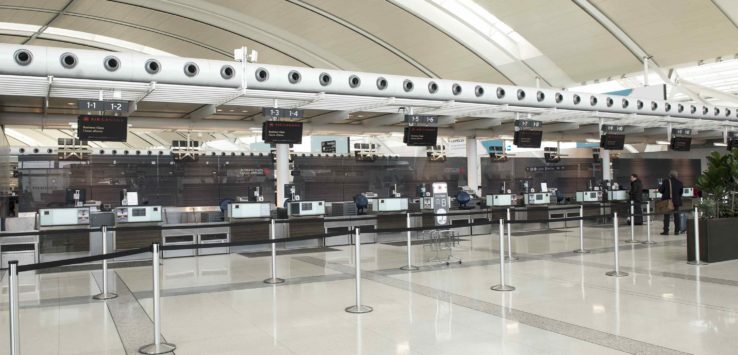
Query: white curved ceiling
x=556 y=40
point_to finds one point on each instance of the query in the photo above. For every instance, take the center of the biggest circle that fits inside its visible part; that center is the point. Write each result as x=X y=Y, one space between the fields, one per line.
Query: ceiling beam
x=202 y=112
x=558 y=127
x=477 y=124
x=330 y=117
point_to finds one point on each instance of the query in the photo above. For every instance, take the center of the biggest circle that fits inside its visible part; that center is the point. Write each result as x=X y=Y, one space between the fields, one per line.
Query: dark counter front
x=72 y=242
x=132 y=239
x=249 y=232
x=306 y=227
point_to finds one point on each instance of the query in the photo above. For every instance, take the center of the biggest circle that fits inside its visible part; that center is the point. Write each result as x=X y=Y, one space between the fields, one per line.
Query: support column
x=283 y=172
x=473 y=173
x=606 y=171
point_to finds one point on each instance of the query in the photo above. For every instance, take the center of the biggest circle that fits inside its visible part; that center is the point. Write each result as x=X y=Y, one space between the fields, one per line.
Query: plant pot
x=718 y=239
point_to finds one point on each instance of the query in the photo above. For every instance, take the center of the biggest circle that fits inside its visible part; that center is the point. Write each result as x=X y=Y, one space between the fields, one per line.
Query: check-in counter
x=22 y=248
x=128 y=236
x=366 y=224
x=249 y=221
x=54 y=242
x=194 y=225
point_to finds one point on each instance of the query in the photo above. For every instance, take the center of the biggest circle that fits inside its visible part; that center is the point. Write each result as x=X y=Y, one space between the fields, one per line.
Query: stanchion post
x=104 y=295
x=409 y=266
x=13 y=307
x=632 y=224
x=502 y=286
x=581 y=249
x=616 y=242
x=273 y=235
x=509 y=256
x=358 y=307
x=696 y=260
x=648 y=225
x=157 y=347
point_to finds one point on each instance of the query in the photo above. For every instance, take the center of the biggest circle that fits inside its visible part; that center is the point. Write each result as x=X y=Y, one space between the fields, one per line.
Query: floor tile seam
x=453 y=297
x=668 y=274
x=109 y=312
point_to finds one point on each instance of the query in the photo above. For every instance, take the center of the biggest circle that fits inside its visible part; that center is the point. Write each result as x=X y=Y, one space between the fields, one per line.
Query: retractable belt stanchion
x=509 y=256
x=105 y=295
x=358 y=307
x=501 y=286
x=13 y=307
x=696 y=260
x=616 y=272
x=409 y=266
x=632 y=224
x=648 y=225
x=157 y=347
x=581 y=249
x=274 y=279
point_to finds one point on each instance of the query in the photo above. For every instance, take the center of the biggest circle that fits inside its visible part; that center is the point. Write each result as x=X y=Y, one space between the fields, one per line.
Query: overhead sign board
x=328 y=146
x=102 y=128
x=528 y=124
x=681 y=131
x=281 y=132
x=419 y=136
x=274 y=113
x=105 y=106
x=608 y=128
x=421 y=120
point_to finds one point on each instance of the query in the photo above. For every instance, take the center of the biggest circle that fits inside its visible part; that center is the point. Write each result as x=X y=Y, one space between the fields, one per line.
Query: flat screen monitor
x=417 y=136
x=528 y=139
x=681 y=144
x=281 y=132
x=612 y=141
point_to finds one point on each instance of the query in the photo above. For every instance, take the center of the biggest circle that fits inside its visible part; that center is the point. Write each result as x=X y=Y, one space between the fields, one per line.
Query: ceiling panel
x=567 y=35
x=336 y=39
x=24 y=17
x=674 y=31
x=12 y=39
x=436 y=51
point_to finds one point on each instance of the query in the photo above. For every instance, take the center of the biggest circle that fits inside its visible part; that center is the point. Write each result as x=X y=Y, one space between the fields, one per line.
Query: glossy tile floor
x=563 y=303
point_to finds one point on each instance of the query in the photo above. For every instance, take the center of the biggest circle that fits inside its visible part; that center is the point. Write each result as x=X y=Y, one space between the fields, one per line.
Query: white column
x=283 y=171
x=606 y=171
x=473 y=173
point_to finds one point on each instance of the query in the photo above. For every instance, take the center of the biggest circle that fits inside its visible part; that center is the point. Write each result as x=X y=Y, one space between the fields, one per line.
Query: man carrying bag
x=671 y=200
x=636 y=196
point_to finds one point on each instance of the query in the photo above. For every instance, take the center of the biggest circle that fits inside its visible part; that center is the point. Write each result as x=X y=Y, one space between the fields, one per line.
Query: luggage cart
x=442 y=243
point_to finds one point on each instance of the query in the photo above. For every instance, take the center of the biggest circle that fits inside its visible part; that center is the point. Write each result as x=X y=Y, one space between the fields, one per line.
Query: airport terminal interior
x=368 y=177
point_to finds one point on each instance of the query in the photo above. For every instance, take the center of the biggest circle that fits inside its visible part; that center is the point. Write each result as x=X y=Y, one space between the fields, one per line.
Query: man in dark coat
x=671 y=189
x=636 y=197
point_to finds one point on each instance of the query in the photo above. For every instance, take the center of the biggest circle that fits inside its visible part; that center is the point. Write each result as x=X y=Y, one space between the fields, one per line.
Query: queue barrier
x=159 y=347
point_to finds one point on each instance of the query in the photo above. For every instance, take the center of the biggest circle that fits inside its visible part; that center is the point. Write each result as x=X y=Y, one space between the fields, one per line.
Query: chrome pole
x=616 y=272
x=409 y=266
x=358 y=307
x=696 y=260
x=501 y=286
x=509 y=240
x=581 y=249
x=273 y=235
x=632 y=224
x=648 y=225
x=13 y=307
x=157 y=347
x=104 y=295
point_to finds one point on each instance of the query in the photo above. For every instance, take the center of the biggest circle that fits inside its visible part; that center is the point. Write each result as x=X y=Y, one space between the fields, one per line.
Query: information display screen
x=681 y=144
x=102 y=128
x=612 y=141
x=528 y=139
x=282 y=132
x=417 y=136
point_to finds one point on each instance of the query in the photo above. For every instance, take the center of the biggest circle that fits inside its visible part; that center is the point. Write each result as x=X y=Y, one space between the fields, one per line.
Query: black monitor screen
x=612 y=141
x=681 y=144
x=528 y=139
x=69 y=196
x=420 y=136
x=282 y=132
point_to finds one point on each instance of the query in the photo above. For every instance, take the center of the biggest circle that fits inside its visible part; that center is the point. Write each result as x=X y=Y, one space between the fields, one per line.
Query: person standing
x=636 y=197
x=672 y=189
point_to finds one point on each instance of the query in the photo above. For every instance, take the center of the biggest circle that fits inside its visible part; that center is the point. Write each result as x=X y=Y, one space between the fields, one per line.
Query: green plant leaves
x=718 y=183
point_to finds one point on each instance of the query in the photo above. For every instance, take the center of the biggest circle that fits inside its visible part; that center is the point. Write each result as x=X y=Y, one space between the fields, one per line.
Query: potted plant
x=719 y=221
